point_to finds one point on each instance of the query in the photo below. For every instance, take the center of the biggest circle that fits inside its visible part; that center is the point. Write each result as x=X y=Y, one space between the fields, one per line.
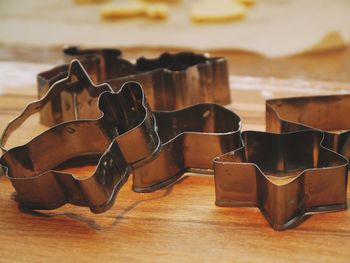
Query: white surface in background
x=15 y=75
x=269 y=88
x=272 y=27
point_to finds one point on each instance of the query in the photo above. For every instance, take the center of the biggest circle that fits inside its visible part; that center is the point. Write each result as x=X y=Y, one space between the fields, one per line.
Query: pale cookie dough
x=330 y=41
x=247 y=2
x=134 y=9
x=121 y=10
x=220 y=10
x=89 y=1
x=164 y=1
x=157 y=11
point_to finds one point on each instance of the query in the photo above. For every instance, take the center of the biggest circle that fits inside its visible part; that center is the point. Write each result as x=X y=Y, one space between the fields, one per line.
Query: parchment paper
x=272 y=27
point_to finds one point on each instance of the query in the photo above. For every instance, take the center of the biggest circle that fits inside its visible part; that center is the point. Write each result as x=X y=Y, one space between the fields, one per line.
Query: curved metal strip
x=103 y=134
x=190 y=139
x=326 y=113
x=287 y=176
x=171 y=81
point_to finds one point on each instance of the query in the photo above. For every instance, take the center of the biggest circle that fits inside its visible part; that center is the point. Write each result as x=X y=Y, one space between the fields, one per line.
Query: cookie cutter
x=326 y=113
x=101 y=135
x=100 y=65
x=287 y=176
x=100 y=54
x=186 y=140
x=170 y=82
x=190 y=139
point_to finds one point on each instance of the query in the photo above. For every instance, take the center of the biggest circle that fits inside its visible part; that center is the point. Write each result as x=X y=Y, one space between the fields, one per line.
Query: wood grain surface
x=180 y=223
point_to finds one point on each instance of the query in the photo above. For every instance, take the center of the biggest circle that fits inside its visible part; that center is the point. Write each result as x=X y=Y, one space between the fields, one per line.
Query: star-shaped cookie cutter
x=170 y=82
x=287 y=176
x=104 y=134
x=329 y=114
x=190 y=139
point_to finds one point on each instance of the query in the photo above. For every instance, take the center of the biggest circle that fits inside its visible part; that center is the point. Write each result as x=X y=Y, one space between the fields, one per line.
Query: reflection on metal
x=102 y=134
x=121 y=135
x=326 y=113
x=286 y=175
x=170 y=82
x=190 y=139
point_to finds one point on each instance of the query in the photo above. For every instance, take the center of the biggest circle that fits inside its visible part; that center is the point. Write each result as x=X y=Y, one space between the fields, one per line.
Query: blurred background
x=275 y=48
x=268 y=38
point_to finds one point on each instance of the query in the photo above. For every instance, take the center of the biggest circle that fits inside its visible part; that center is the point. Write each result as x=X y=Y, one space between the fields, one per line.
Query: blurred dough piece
x=247 y=2
x=164 y=1
x=330 y=41
x=157 y=11
x=89 y=1
x=121 y=10
x=219 y=10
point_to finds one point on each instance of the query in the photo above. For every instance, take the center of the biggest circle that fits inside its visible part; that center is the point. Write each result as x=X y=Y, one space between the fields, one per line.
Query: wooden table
x=180 y=223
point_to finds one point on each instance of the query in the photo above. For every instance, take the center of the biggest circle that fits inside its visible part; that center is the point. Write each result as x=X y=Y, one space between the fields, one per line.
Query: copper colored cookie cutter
x=287 y=176
x=170 y=82
x=103 y=134
x=329 y=114
x=188 y=139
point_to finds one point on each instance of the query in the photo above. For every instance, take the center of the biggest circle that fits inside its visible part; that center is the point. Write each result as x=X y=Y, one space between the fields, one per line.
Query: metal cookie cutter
x=327 y=113
x=102 y=135
x=170 y=82
x=100 y=65
x=190 y=139
x=287 y=176
x=74 y=52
